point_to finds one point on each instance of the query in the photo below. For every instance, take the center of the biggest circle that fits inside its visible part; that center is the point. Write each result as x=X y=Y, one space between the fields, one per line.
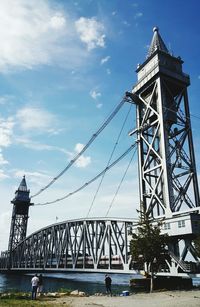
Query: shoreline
x=181 y=298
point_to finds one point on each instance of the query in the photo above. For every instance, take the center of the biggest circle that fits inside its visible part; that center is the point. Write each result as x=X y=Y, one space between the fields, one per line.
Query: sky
x=64 y=67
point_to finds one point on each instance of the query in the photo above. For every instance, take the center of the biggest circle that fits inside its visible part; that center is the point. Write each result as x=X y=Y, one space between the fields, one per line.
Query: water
x=88 y=282
x=196 y=281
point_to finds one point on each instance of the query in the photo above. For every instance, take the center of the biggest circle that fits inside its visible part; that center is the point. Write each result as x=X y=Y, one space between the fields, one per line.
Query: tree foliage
x=197 y=245
x=148 y=245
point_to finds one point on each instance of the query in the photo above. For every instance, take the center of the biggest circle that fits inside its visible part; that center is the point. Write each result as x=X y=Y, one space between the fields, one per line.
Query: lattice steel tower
x=167 y=172
x=19 y=221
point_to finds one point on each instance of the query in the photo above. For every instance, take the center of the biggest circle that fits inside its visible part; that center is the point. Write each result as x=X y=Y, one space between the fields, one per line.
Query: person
x=108 y=282
x=40 y=285
x=34 y=283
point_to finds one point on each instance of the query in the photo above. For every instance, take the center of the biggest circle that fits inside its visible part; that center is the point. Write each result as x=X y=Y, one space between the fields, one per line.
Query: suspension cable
x=91 y=140
x=110 y=158
x=119 y=186
x=92 y=180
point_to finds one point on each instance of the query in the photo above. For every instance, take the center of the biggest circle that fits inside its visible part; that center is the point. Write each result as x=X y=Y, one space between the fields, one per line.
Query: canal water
x=88 y=282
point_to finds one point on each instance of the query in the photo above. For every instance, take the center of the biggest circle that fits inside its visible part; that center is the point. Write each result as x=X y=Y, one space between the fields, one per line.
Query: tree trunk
x=151 y=283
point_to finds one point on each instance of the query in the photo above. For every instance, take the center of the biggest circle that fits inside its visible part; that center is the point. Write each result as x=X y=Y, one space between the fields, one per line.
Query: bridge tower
x=167 y=171
x=21 y=203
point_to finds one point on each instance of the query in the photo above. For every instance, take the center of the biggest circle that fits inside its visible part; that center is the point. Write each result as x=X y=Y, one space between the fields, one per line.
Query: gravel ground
x=157 y=299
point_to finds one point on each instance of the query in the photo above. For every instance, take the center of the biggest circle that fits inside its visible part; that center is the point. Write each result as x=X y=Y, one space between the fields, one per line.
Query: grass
x=29 y=303
x=23 y=299
x=64 y=290
x=24 y=303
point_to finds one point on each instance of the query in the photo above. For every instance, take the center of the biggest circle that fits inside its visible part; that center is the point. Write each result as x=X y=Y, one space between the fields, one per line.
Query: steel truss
x=167 y=171
x=89 y=245
x=19 y=221
x=166 y=156
x=18 y=230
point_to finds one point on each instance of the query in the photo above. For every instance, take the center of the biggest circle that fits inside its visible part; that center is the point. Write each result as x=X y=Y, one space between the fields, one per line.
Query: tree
x=149 y=246
x=197 y=245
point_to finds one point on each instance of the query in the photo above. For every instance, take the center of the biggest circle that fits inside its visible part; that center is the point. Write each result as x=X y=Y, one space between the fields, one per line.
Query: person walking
x=108 y=282
x=40 y=285
x=34 y=283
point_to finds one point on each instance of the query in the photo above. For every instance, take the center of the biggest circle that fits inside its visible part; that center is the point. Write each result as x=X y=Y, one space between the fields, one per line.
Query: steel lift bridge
x=167 y=183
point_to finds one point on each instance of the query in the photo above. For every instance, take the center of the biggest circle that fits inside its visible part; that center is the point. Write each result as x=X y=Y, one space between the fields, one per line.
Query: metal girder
x=167 y=170
x=168 y=179
x=92 y=245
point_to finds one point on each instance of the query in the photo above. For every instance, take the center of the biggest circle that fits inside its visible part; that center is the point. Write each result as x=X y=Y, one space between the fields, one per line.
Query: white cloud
x=6 y=131
x=104 y=60
x=2 y=160
x=79 y=147
x=82 y=161
x=28 y=143
x=5 y=99
x=3 y=175
x=138 y=15
x=26 y=34
x=114 y=13
x=91 y=32
x=36 y=33
x=58 y=21
x=108 y=71
x=94 y=94
x=36 y=119
x=37 y=178
x=126 y=23
x=5 y=219
x=99 y=105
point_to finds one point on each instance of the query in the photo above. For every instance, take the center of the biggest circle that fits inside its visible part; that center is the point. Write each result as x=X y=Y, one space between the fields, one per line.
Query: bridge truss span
x=80 y=245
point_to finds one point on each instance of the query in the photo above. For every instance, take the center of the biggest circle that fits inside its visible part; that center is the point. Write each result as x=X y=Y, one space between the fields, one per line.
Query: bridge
x=168 y=187
x=94 y=245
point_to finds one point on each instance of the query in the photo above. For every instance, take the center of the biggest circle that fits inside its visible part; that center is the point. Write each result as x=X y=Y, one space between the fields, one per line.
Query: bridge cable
x=120 y=184
x=93 y=179
x=91 y=140
x=110 y=158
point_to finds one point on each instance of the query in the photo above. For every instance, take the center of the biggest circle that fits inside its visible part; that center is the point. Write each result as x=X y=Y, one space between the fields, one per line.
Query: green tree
x=149 y=246
x=197 y=245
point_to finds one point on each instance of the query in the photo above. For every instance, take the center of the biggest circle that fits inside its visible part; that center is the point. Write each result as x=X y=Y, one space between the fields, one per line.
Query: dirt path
x=161 y=299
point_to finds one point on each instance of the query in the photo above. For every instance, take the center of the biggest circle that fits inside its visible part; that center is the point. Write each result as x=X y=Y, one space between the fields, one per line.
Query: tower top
x=157 y=43
x=23 y=185
x=22 y=193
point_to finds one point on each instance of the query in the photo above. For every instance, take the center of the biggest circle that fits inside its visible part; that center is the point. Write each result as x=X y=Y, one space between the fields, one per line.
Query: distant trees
x=149 y=246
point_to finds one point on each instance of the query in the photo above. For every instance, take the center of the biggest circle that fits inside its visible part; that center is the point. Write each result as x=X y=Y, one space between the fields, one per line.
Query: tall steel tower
x=19 y=221
x=167 y=171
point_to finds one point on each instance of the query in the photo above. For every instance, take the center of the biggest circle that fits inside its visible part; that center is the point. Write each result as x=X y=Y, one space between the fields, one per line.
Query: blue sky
x=64 y=66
